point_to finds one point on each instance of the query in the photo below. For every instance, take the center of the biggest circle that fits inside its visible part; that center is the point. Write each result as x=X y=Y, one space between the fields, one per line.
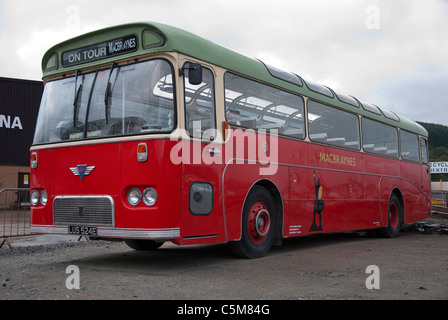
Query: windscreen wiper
x=77 y=99
x=108 y=93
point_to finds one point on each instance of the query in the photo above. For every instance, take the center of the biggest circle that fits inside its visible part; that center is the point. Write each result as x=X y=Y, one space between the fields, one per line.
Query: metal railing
x=15 y=214
x=439 y=198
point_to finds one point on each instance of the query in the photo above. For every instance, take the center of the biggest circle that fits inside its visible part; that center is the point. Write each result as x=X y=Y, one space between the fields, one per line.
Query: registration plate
x=83 y=231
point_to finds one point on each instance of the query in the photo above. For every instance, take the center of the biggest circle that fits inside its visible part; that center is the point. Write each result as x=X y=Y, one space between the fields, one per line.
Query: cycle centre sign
x=438 y=167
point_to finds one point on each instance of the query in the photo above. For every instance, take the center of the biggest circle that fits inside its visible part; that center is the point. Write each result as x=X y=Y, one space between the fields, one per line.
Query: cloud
x=372 y=49
x=419 y=97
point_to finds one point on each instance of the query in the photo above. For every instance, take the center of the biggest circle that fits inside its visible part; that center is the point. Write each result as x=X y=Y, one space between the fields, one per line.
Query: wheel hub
x=259 y=222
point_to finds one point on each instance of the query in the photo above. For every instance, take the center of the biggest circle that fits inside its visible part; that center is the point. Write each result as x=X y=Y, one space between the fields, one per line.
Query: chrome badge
x=82 y=170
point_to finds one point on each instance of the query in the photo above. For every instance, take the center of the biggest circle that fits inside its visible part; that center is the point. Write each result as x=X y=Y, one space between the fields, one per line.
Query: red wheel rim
x=393 y=215
x=258 y=222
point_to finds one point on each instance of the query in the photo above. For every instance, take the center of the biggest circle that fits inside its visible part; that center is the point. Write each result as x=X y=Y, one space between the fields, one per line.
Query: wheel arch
x=399 y=195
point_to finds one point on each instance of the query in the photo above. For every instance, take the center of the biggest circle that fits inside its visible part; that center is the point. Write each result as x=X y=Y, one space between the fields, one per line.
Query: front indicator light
x=33 y=159
x=134 y=197
x=142 y=152
x=150 y=197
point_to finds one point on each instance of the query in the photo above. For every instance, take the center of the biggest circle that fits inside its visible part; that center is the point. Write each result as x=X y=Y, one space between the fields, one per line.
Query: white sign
x=439 y=167
x=9 y=122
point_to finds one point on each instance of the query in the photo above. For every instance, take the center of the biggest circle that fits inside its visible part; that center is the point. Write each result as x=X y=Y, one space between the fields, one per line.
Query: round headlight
x=34 y=198
x=150 y=197
x=134 y=197
x=43 y=197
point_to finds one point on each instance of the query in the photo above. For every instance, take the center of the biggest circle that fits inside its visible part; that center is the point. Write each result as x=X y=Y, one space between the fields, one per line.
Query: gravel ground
x=412 y=266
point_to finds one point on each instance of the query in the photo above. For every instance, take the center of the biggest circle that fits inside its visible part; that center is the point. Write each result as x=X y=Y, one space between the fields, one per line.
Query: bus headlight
x=34 y=198
x=134 y=197
x=150 y=197
x=43 y=197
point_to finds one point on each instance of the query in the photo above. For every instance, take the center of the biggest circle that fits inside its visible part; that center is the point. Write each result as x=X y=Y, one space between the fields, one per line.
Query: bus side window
x=333 y=126
x=424 y=150
x=409 y=146
x=252 y=105
x=379 y=138
x=200 y=106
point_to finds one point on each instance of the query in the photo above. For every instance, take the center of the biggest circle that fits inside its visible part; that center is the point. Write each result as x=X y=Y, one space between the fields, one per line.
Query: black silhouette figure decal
x=318 y=204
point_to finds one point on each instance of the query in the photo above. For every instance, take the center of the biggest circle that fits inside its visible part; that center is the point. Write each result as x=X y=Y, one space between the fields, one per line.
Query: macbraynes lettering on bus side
x=333 y=158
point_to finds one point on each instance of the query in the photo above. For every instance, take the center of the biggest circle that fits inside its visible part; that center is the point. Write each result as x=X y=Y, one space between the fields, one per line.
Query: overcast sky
x=393 y=53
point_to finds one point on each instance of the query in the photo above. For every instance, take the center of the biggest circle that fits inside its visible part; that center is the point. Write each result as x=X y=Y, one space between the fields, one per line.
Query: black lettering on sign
x=100 y=51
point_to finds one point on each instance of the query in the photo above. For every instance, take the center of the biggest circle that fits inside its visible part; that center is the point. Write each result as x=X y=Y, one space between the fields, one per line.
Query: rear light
x=34 y=160
x=142 y=152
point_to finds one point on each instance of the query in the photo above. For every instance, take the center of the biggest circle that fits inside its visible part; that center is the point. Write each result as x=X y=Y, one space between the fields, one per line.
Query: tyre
x=143 y=245
x=394 y=218
x=258 y=225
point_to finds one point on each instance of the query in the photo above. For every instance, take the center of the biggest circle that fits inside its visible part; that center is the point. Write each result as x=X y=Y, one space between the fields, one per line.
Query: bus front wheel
x=143 y=245
x=258 y=225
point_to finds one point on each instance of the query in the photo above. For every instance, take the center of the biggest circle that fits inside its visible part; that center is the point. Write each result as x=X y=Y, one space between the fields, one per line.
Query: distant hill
x=438 y=146
x=438 y=134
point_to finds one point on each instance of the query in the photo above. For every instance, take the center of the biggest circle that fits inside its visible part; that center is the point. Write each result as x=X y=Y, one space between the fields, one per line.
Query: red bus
x=149 y=134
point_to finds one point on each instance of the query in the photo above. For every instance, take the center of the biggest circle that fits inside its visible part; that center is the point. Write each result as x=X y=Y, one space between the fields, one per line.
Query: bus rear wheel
x=394 y=218
x=258 y=225
x=143 y=245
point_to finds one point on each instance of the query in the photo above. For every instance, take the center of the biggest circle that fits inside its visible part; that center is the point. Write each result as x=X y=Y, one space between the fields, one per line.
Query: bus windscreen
x=121 y=100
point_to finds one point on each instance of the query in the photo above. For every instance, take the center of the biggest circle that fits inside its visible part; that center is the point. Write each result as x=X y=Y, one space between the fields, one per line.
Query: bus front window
x=121 y=100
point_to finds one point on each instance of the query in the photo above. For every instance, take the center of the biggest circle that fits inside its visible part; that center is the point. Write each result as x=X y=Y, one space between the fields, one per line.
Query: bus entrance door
x=200 y=211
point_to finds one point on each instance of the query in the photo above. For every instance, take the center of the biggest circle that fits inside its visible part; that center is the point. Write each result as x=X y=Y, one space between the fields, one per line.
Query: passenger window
x=253 y=105
x=283 y=75
x=424 y=150
x=409 y=146
x=379 y=138
x=200 y=106
x=319 y=89
x=333 y=126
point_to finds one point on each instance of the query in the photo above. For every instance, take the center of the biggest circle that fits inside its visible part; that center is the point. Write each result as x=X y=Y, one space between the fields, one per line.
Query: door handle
x=212 y=151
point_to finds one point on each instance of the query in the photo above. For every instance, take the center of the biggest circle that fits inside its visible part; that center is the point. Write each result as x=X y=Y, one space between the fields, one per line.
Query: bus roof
x=135 y=39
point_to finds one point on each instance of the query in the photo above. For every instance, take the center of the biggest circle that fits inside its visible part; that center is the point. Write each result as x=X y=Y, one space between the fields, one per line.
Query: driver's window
x=200 y=106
